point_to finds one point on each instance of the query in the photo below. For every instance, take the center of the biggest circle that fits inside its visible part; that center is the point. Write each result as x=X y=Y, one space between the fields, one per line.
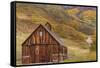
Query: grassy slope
x=73 y=38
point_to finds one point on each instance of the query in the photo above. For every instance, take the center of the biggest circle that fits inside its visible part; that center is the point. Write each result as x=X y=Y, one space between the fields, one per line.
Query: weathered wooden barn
x=43 y=46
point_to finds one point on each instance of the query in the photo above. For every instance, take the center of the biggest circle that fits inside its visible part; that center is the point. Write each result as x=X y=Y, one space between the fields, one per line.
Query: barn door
x=35 y=53
x=32 y=51
x=42 y=52
x=38 y=54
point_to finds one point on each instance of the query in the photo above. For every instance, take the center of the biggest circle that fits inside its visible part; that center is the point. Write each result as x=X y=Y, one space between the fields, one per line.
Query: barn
x=43 y=46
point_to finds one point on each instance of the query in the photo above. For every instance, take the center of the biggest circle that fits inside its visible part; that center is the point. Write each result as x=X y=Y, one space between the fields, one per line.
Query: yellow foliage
x=73 y=11
x=89 y=15
x=75 y=24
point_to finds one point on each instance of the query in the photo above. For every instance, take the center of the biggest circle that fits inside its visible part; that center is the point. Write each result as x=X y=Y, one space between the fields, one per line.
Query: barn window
x=41 y=33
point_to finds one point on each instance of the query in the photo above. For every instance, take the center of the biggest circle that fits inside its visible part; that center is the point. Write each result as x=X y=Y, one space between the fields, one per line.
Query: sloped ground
x=78 y=53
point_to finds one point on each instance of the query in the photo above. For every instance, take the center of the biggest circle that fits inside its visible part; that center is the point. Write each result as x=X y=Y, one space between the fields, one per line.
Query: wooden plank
x=44 y=36
x=32 y=55
x=23 y=49
x=58 y=53
x=33 y=39
x=37 y=54
x=51 y=52
x=25 y=55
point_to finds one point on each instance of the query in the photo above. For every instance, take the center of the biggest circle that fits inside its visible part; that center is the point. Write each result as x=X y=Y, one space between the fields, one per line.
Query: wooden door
x=42 y=54
x=32 y=52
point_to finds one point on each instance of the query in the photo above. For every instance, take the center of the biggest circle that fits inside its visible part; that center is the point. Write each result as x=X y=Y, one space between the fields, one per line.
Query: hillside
x=71 y=24
x=56 y=16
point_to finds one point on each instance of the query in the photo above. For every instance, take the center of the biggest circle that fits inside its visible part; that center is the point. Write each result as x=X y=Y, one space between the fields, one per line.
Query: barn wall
x=42 y=47
x=26 y=56
x=41 y=36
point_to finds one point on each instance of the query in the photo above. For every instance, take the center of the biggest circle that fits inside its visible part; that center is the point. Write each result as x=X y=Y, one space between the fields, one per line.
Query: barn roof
x=49 y=31
x=54 y=36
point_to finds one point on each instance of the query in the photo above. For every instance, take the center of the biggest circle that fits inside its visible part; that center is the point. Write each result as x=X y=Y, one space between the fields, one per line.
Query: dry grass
x=77 y=53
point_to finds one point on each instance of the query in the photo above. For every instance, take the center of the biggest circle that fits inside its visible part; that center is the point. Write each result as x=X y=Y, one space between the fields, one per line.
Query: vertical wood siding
x=42 y=47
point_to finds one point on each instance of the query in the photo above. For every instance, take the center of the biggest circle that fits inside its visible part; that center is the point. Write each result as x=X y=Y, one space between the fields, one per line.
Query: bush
x=93 y=48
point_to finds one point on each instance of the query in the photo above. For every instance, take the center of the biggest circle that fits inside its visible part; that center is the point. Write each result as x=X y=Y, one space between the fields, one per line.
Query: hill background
x=73 y=24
